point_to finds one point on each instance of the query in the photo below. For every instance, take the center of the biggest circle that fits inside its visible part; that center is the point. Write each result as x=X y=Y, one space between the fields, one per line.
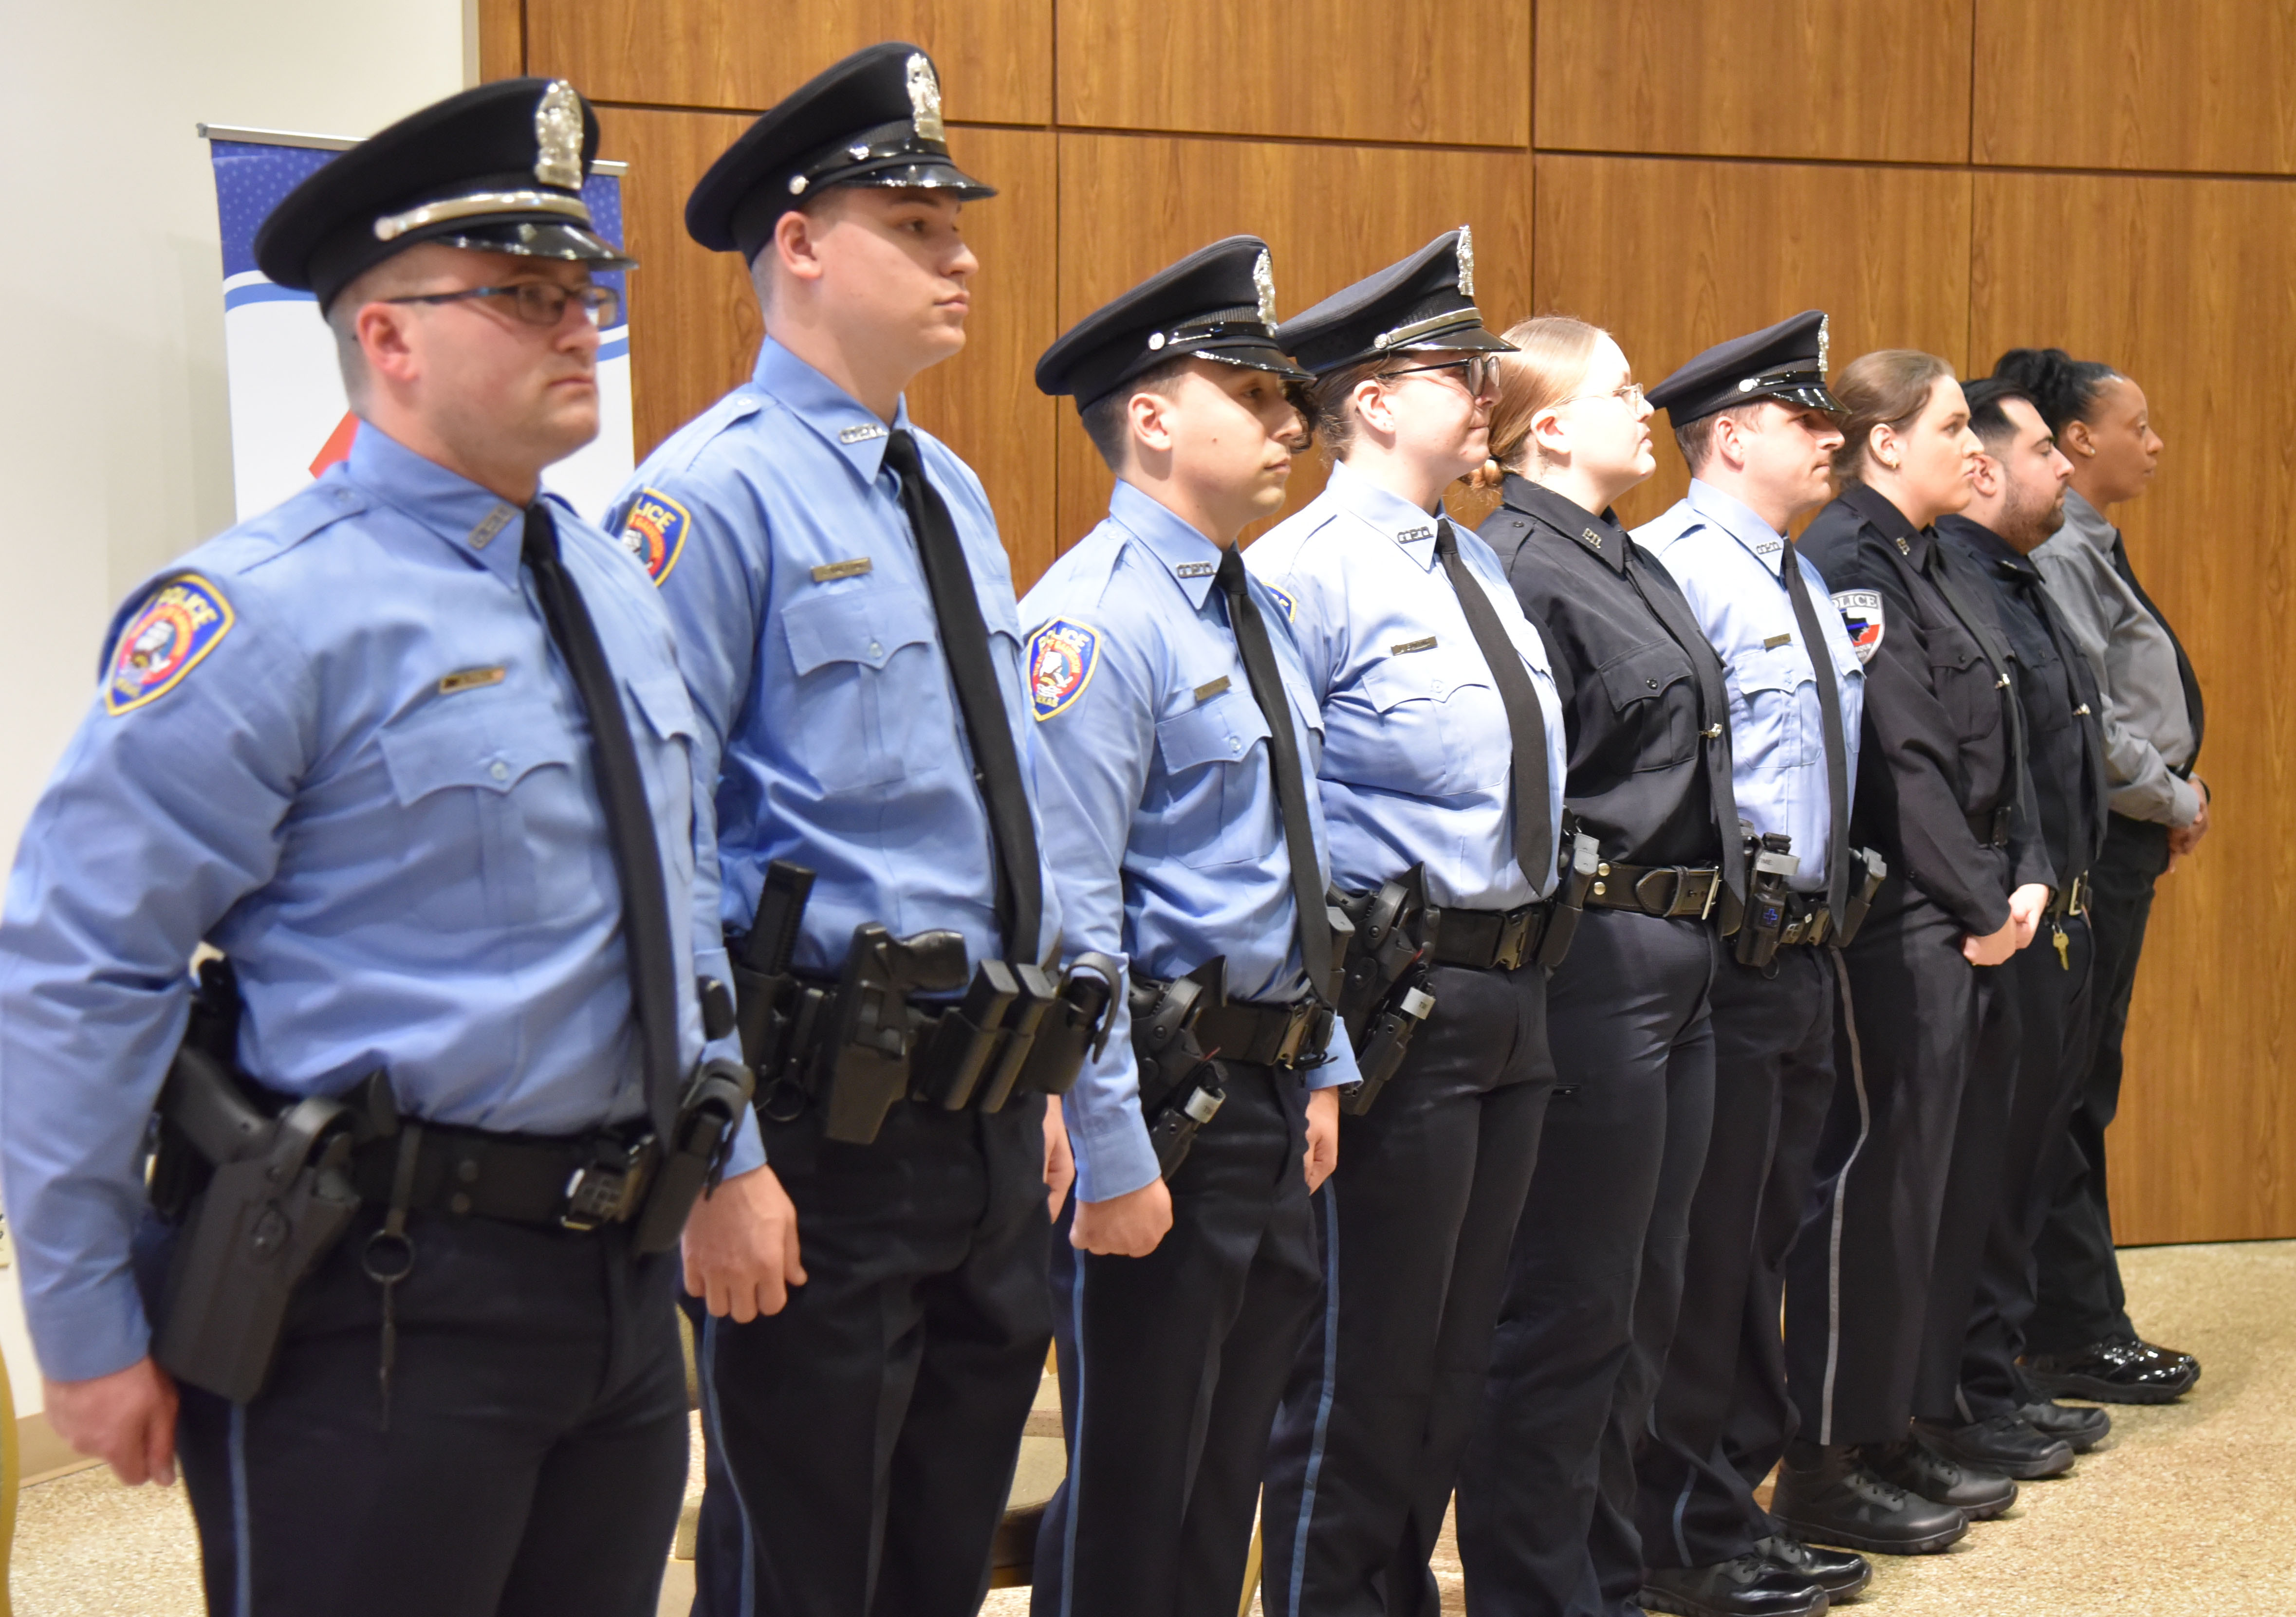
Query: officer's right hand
x=1126 y=1226
x=1993 y=948
x=740 y=1247
x=126 y=1419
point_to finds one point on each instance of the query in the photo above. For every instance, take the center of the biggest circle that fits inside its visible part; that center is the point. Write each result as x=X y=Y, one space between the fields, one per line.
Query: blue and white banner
x=289 y=419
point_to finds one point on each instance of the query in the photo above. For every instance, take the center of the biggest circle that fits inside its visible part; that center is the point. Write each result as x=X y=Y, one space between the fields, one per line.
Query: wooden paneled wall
x=1960 y=176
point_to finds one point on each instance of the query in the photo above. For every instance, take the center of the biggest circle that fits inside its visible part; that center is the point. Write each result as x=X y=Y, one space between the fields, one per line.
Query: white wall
x=114 y=444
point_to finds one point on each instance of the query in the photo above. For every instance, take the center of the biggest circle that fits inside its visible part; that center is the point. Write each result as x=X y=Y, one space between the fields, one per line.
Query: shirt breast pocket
x=665 y=732
x=1655 y=702
x=1439 y=709
x=1213 y=763
x=1963 y=682
x=872 y=693
x=493 y=795
x=1765 y=729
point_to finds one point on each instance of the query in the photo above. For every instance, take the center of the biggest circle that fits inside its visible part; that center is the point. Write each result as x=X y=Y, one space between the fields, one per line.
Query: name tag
x=1775 y=640
x=1212 y=687
x=861 y=435
x=469 y=679
x=1405 y=647
x=1196 y=570
x=853 y=566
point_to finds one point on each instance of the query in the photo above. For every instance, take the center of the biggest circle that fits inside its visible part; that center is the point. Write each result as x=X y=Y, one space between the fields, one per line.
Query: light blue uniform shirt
x=338 y=744
x=1726 y=559
x=829 y=721
x=1160 y=805
x=1418 y=762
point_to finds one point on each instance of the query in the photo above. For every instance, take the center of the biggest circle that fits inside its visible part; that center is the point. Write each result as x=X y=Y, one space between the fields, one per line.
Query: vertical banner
x=289 y=419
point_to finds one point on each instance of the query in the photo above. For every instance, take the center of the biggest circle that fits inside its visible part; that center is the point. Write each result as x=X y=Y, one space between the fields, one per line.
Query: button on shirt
x=338 y=744
x=1160 y=802
x=2148 y=724
x=1417 y=758
x=806 y=629
x=1727 y=561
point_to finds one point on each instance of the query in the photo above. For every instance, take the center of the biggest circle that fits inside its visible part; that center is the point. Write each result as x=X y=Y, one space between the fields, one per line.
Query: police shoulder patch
x=1861 y=615
x=1290 y=607
x=654 y=531
x=181 y=621
x=1062 y=657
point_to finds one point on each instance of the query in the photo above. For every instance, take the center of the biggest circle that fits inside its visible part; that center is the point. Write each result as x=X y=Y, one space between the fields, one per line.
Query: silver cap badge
x=1263 y=281
x=558 y=136
x=1822 y=322
x=1466 y=261
x=924 y=99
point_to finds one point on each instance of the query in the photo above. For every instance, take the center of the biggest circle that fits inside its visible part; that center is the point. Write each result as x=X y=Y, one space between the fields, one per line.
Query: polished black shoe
x=1826 y=1495
x=2006 y=1444
x=1837 y=1572
x=1919 y=1469
x=2122 y=1370
x=1749 y=1586
x=2082 y=1427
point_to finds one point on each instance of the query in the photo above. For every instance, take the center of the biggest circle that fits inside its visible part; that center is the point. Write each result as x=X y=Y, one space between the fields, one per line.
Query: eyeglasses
x=538 y=303
x=1632 y=392
x=1480 y=370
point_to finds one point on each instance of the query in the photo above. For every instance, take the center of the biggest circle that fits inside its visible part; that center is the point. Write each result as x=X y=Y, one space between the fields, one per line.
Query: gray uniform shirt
x=2148 y=731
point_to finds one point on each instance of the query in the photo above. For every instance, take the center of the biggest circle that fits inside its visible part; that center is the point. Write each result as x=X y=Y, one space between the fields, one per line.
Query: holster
x=1576 y=871
x=1862 y=893
x=693 y=1160
x=1382 y=993
x=1768 y=894
x=1075 y=1025
x=865 y=1064
x=1181 y=1084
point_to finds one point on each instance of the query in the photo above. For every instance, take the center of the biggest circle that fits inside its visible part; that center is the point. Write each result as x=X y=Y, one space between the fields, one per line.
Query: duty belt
x=1292 y=1035
x=1991 y=830
x=2072 y=898
x=578 y=1182
x=1662 y=890
x=1484 y=940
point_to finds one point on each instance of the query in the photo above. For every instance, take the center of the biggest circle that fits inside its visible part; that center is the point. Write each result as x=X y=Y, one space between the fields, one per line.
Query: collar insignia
x=1592 y=538
x=1466 y=261
x=1903 y=548
x=1195 y=569
x=924 y=99
x=1263 y=281
x=496 y=520
x=558 y=136
x=861 y=435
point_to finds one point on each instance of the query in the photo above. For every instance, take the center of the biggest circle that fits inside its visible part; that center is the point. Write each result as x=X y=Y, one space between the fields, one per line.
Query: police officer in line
x=1881 y=1281
x=1546 y=1498
x=411 y=751
x=1443 y=784
x=1757 y=427
x=1183 y=739
x=2006 y=1425
x=845 y=619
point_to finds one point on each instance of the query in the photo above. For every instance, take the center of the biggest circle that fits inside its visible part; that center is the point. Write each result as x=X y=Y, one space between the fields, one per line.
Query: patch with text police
x=1290 y=607
x=1061 y=656
x=654 y=531
x=182 y=620
x=1861 y=615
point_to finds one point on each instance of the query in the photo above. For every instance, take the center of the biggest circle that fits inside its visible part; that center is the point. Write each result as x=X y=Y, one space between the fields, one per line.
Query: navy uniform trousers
x=1415 y=1227
x=531 y=1461
x=2080 y=1300
x=1881 y=1280
x=2055 y=1049
x=1171 y=1366
x=1546 y=1490
x=1722 y=1416
x=862 y=1441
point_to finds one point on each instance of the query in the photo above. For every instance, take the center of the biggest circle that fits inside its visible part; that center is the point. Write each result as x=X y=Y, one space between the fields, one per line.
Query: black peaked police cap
x=872 y=119
x=1218 y=302
x=1425 y=301
x=498 y=168
x=1785 y=361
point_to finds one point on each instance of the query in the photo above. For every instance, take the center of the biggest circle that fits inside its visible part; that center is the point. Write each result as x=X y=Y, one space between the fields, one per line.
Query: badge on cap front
x=924 y=99
x=1263 y=281
x=1466 y=261
x=558 y=136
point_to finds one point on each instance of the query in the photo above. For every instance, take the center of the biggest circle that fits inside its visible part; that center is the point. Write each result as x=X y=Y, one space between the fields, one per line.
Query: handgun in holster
x=1770 y=866
x=1860 y=902
x=865 y=1065
x=1577 y=857
x=1182 y=1085
x=1383 y=994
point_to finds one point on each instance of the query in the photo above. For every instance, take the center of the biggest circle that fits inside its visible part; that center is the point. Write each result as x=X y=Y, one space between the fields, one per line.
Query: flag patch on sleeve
x=1062 y=657
x=1861 y=615
x=180 y=622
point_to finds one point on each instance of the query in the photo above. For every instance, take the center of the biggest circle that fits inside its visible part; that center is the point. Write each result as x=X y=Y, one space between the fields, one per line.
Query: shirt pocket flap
x=863 y=627
x=1218 y=730
x=1429 y=675
x=1769 y=668
x=492 y=747
x=660 y=696
x=1642 y=673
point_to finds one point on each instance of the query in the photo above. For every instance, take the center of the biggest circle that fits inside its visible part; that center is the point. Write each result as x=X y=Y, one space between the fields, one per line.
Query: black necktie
x=1673 y=614
x=629 y=819
x=1837 y=752
x=979 y=698
x=1534 y=849
x=1283 y=758
x=2194 y=713
x=1974 y=619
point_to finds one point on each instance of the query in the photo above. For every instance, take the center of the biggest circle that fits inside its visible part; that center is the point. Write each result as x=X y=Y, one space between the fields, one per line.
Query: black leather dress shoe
x=1826 y=1495
x=1837 y=1572
x=2005 y=1444
x=2082 y=1427
x=1919 y=1469
x=1746 y=1587
x=2120 y=1371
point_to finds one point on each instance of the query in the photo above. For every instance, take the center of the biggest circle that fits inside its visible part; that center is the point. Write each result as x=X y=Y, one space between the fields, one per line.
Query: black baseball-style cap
x=1785 y=361
x=1218 y=302
x=1426 y=301
x=498 y=168
x=872 y=119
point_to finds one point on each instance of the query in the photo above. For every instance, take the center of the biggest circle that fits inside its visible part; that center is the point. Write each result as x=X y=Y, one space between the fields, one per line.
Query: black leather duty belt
x=1486 y=940
x=1662 y=890
x=572 y=1183
x=2072 y=898
x=1991 y=830
x=1293 y=1036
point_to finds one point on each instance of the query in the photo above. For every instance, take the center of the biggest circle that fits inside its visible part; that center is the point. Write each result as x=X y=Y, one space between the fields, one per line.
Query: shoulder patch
x=1062 y=657
x=181 y=621
x=1290 y=607
x=654 y=531
x=1861 y=615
